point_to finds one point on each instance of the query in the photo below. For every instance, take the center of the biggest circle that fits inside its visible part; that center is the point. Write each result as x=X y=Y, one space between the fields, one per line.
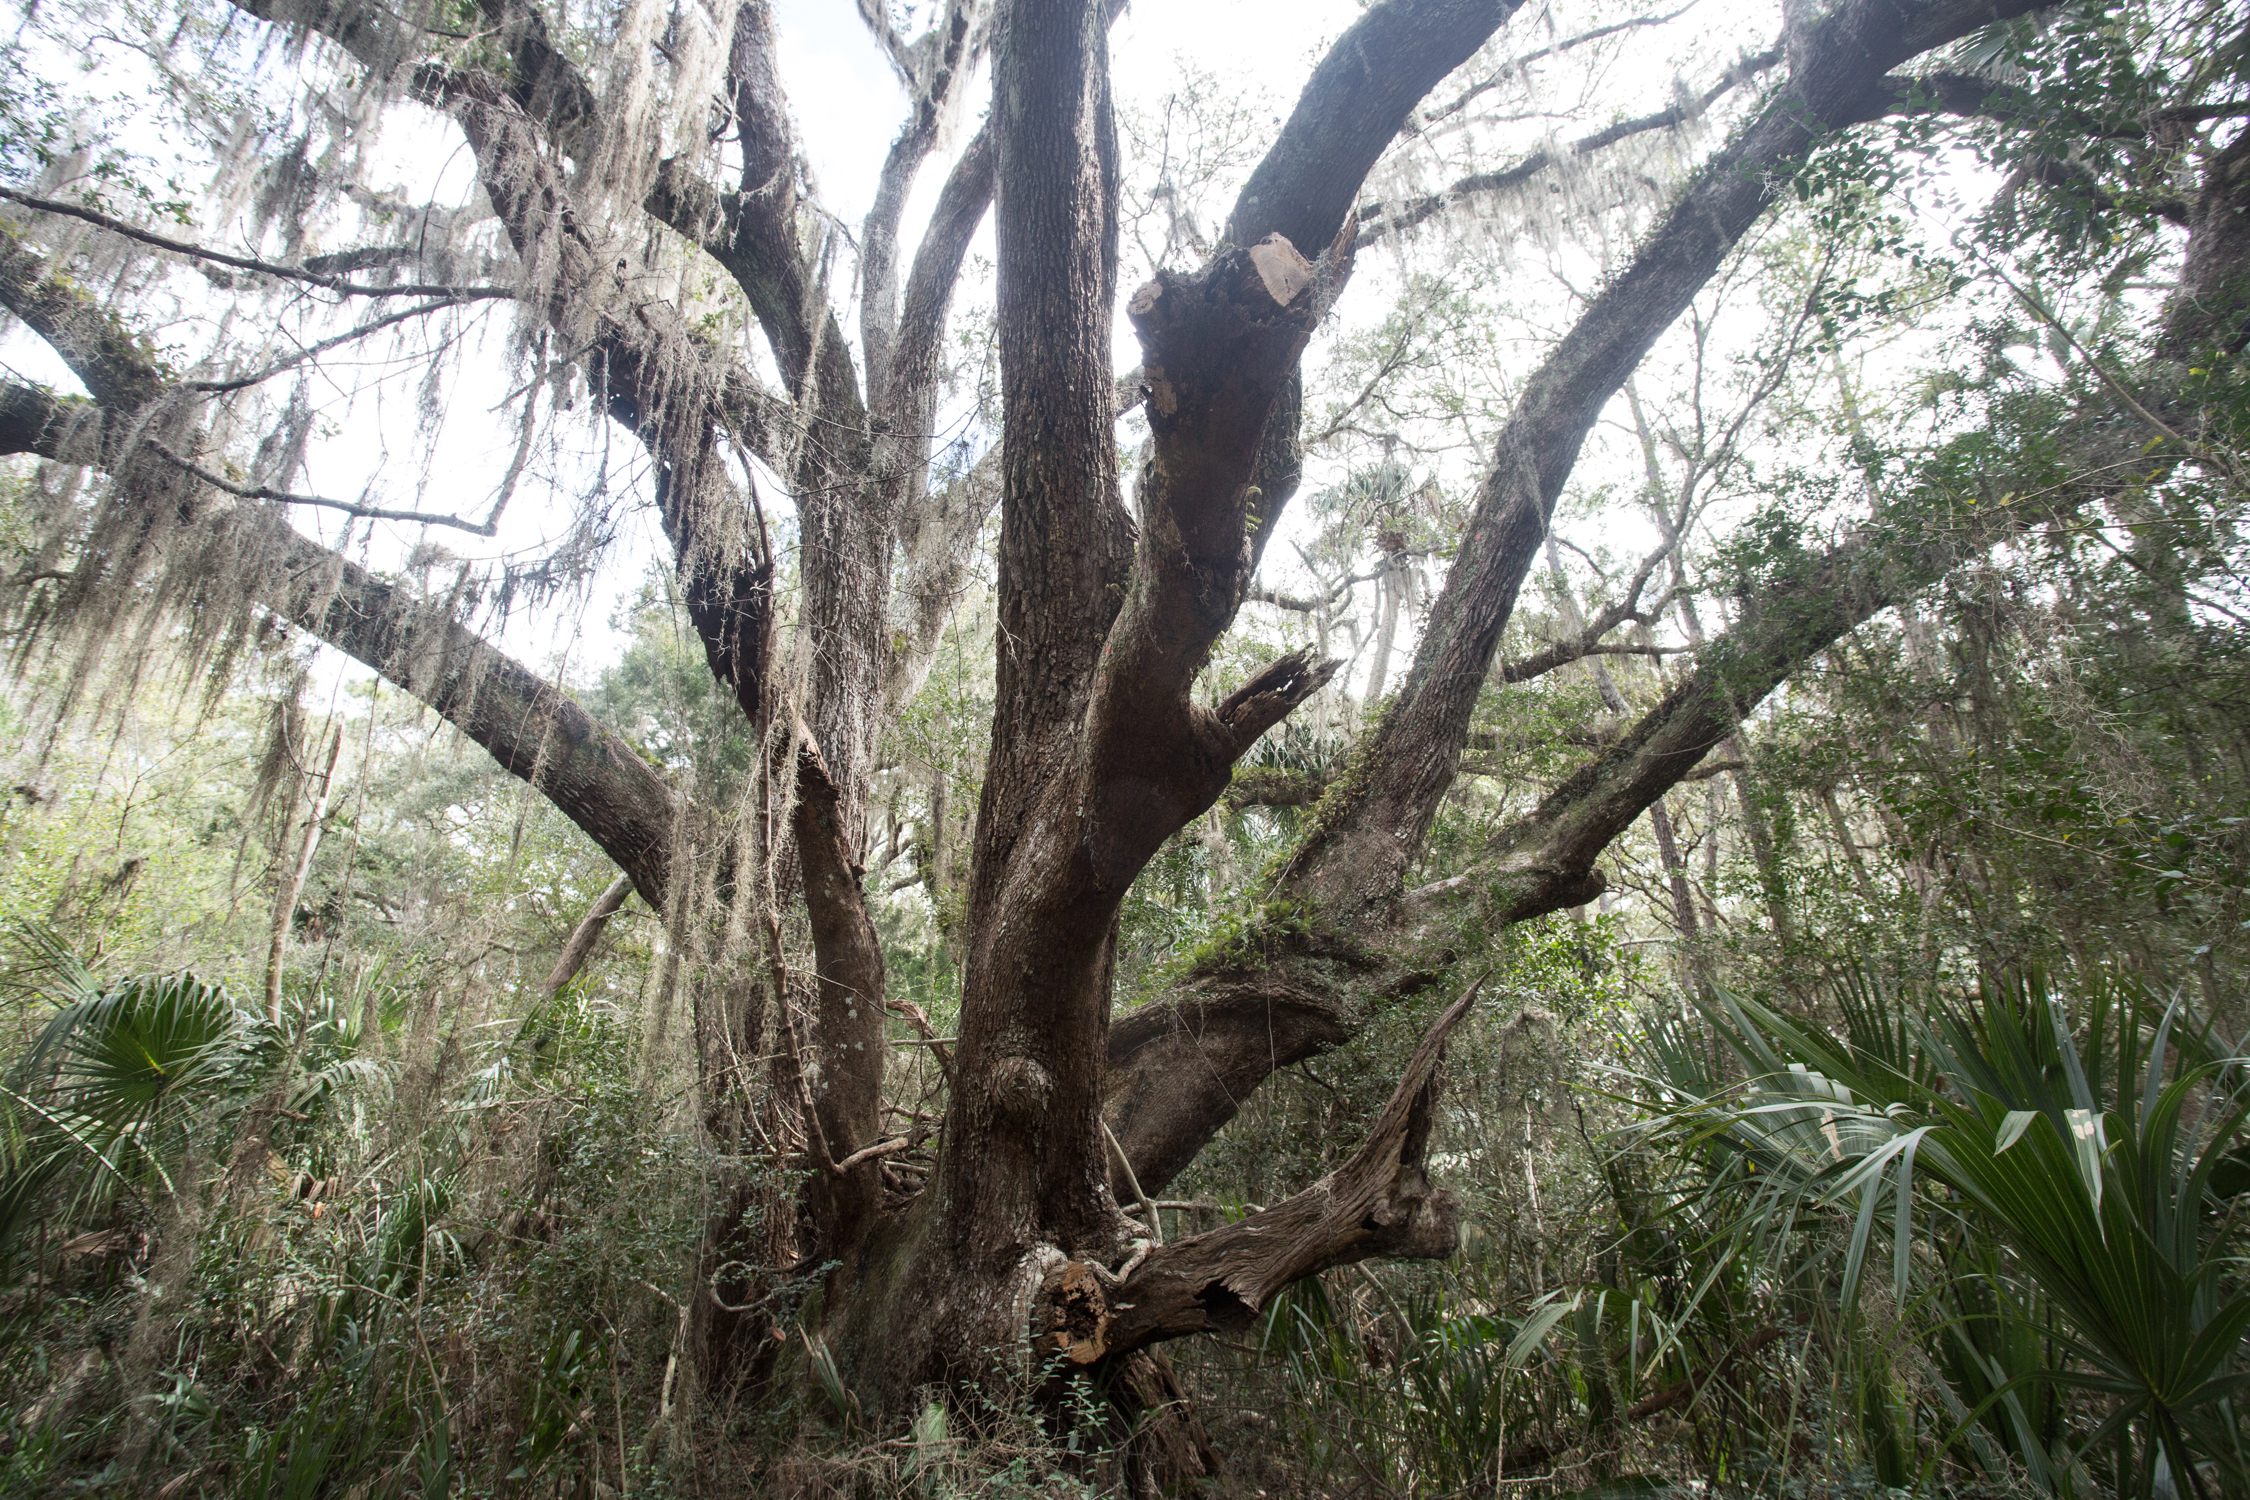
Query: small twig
x=1515 y=66
x=285 y=909
x=1133 y=1181
x=251 y=263
x=818 y=1137
x=2101 y=372
x=266 y=492
x=314 y=351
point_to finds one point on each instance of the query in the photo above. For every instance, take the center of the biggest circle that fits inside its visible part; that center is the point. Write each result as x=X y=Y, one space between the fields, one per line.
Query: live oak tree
x=1059 y=1117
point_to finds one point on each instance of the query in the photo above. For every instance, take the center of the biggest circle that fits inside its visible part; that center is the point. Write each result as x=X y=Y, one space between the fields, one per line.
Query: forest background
x=1874 y=1125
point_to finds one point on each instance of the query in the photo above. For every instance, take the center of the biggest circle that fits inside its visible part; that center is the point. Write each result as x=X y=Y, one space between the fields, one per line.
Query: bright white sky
x=828 y=57
x=848 y=105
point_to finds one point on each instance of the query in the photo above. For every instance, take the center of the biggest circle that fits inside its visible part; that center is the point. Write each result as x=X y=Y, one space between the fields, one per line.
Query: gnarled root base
x=899 y=1323
x=1166 y=1450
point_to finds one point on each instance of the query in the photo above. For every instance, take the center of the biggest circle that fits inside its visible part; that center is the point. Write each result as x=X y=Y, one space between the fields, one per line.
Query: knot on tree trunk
x=1021 y=1088
x=1077 y=1297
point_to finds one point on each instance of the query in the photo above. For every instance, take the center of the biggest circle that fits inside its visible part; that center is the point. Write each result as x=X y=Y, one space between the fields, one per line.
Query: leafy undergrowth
x=1972 y=1243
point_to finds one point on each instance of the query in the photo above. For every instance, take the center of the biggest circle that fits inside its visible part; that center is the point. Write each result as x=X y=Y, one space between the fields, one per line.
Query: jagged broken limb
x=1381 y=1202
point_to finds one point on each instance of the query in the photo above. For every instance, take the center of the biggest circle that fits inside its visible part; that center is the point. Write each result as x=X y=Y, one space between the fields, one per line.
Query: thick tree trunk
x=530 y=726
x=1021 y=1165
x=848 y=1091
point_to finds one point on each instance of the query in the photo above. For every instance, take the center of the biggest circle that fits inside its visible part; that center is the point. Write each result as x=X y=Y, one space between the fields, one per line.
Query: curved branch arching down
x=658 y=381
x=529 y=725
x=1379 y=220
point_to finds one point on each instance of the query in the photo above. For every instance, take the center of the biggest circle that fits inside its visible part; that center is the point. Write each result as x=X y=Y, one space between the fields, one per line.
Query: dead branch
x=336 y=284
x=586 y=934
x=1379 y=1202
x=285 y=497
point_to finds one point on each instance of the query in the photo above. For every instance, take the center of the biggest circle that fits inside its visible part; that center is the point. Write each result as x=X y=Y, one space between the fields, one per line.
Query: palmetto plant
x=121 y=1078
x=1438 y=1413
x=2045 y=1191
x=100 y=1102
